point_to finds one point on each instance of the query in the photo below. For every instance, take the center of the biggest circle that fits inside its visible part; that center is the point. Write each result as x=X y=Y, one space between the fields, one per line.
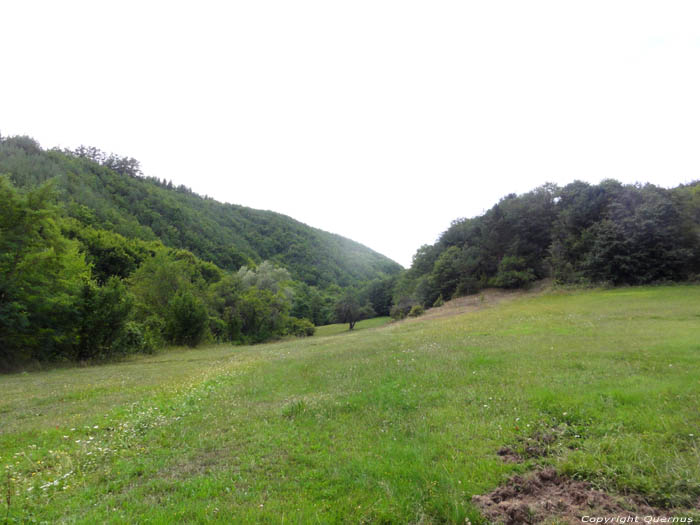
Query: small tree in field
x=348 y=309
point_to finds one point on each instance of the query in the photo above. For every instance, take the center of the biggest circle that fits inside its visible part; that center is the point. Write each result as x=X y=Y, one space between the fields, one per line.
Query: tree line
x=97 y=260
x=68 y=292
x=607 y=233
x=73 y=291
x=109 y=192
x=82 y=278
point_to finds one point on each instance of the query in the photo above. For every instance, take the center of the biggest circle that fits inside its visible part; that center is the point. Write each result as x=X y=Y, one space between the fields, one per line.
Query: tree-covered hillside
x=97 y=261
x=109 y=193
x=607 y=233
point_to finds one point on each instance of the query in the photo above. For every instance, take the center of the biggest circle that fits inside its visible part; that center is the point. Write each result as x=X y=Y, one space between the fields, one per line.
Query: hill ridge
x=112 y=193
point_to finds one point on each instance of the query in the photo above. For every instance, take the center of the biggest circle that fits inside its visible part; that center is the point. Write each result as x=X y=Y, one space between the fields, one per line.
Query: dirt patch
x=539 y=445
x=547 y=497
x=508 y=455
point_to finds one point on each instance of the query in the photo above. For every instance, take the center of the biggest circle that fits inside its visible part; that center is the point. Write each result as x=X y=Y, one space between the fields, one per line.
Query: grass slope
x=343 y=328
x=396 y=424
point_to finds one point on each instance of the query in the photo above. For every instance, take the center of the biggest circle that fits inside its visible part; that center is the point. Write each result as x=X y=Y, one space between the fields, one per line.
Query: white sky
x=381 y=121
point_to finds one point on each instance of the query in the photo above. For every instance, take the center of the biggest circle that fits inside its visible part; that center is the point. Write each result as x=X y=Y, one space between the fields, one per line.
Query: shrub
x=513 y=273
x=187 y=320
x=132 y=339
x=397 y=313
x=467 y=286
x=402 y=307
x=262 y=315
x=439 y=301
x=416 y=311
x=153 y=328
x=103 y=312
x=217 y=328
x=300 y=327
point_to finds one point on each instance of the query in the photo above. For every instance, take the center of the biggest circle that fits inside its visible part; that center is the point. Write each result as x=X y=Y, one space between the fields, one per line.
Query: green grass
x=392 y=425
x=343 y=328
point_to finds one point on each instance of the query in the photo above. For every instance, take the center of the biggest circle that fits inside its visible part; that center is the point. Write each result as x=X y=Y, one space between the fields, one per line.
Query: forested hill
x=109 y=192
x=607 y=233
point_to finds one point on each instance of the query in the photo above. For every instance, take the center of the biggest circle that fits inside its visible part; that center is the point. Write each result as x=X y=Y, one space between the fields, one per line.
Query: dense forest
x=98 y=261
x=608 y=233
x=109 y=192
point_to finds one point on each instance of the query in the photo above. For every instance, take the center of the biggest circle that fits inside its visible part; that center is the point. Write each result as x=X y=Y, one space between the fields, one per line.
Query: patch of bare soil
x=544 y=496
x=540 y=444
x=547 y=497
x=508 y=455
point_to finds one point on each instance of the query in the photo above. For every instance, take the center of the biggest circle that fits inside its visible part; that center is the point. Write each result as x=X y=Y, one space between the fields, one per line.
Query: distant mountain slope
x=229 y=235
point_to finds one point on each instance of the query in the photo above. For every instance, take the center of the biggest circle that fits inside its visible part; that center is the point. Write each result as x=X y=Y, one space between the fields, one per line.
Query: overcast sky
x=381 y=121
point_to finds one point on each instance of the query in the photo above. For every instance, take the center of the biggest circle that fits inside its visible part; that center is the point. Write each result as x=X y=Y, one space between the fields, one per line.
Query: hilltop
x=109 y=192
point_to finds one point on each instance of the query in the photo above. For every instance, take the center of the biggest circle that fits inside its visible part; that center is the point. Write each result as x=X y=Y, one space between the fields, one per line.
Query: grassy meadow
x=394 y=424
x=339 y=328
